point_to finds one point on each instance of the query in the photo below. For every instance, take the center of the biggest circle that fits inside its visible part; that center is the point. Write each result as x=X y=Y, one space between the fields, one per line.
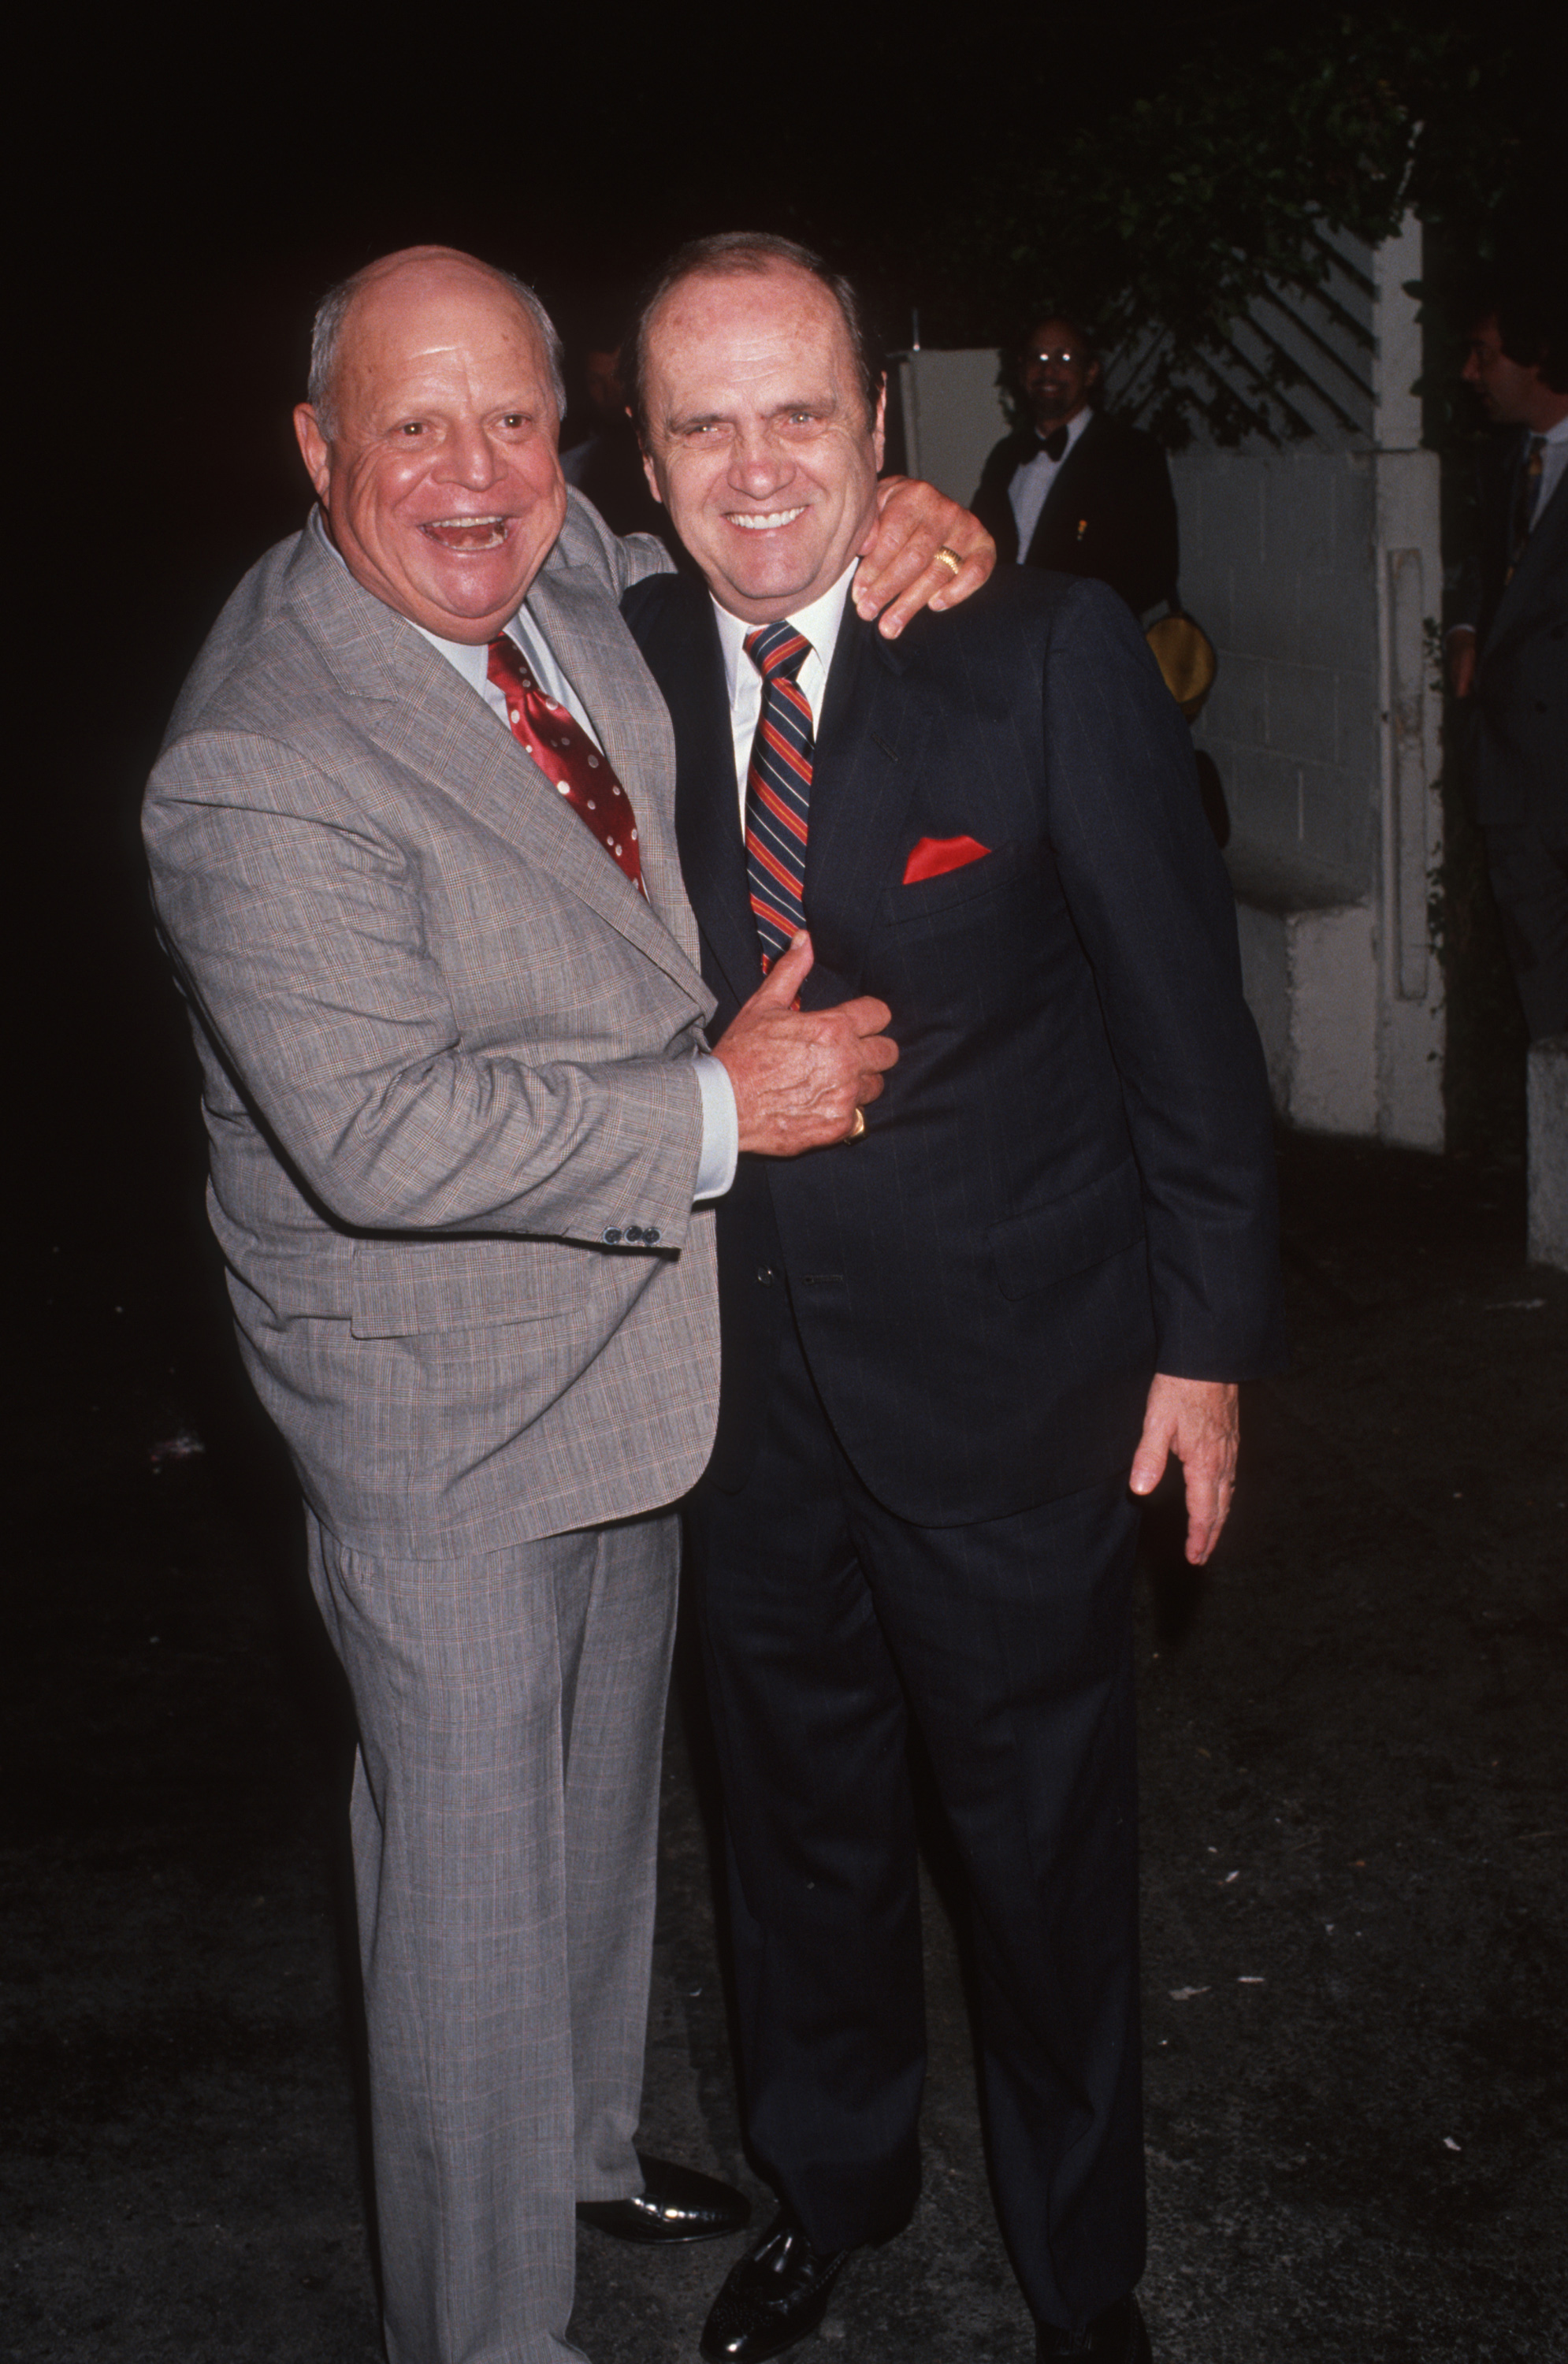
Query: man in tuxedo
x=412 y=852
x=1509 y=653
x=1076 y=491
x=1040 y=1266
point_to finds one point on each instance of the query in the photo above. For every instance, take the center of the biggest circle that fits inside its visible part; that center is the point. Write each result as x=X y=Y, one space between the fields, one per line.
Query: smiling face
x=1059 y=372
x=439 y=480
x=759 y=444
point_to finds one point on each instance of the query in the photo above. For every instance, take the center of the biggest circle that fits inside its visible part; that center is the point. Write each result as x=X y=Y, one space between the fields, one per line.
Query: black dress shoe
x=1117 y=2336
x=777 y=2293
x=675 y=2203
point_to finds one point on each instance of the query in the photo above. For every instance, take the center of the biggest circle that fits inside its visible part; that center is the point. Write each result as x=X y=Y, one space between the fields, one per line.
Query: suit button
x=612 y=1237
x=766 y=1275
x=651 y=1236
x=634 y=1234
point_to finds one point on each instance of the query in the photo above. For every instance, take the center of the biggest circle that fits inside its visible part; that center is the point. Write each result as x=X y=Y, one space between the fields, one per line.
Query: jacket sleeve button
x=634 y=1234
x=612 y=1237
x=651 y=1235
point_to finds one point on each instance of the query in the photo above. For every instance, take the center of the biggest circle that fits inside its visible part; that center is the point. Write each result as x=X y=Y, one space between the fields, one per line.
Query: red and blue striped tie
x=778 y=789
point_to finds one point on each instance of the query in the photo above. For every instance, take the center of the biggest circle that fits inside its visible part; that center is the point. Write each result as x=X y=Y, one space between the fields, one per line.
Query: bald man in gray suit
x=465 y=1132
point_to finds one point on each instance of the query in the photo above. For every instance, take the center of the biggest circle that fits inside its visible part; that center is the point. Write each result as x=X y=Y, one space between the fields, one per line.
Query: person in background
x=1076 y=490
x=607 y=466
x=1507 y=655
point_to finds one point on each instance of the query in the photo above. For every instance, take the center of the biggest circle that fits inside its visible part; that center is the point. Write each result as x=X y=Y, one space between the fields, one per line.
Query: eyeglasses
x=1063 y=358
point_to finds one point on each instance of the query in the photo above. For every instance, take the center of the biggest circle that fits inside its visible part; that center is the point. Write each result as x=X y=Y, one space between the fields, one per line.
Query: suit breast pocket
x=1009 y=869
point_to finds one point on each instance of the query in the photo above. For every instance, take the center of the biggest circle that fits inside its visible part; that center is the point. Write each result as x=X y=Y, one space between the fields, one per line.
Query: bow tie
x=1054 y=444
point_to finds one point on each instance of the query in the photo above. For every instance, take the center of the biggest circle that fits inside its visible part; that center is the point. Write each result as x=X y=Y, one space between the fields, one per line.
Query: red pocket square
x=935 y=855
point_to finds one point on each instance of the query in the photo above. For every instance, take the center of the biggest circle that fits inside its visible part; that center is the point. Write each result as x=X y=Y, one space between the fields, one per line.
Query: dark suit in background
x=1110 y=512
x=937 y=1345
x=1519 y=743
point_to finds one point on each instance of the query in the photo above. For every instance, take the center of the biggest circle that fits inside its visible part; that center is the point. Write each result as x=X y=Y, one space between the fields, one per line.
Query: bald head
x=430 y=437
x=332 y=312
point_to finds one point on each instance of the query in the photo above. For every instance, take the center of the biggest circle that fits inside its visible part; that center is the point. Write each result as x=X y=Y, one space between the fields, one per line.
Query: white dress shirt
x=819 y=624
x=1553 y=460
x=720 y=1123
x=1034 y=479
x=474 y=663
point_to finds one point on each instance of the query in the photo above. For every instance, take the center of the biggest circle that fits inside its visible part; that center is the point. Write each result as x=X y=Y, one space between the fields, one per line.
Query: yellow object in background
x=1184 y=655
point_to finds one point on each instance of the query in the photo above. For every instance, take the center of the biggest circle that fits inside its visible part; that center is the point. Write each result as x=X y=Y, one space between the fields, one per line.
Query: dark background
x=181 y=2138
x=189 y=189
x=193 y=189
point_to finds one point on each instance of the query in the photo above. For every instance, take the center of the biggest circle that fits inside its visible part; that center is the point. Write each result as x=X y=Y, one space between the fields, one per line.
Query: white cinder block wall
x=1276 y=564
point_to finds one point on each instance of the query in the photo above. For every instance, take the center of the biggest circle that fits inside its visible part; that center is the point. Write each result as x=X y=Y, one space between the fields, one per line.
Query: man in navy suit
x=1509 y=653
x=1036 y=1266
x=1077 y=491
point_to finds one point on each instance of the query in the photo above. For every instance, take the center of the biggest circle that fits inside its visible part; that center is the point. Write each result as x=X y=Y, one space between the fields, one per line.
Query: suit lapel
x=1547 y=542
x=426 y=716
x=863 y=776
x=681 y=640
x=1067 y=486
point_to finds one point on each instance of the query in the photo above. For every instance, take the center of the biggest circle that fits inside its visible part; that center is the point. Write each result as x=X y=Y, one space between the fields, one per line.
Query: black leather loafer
x=1117 y=2336
x=675 y=2203
x=777 y=2295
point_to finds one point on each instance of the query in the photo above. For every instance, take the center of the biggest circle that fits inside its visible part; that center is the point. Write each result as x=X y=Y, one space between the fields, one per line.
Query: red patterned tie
x=567 y=757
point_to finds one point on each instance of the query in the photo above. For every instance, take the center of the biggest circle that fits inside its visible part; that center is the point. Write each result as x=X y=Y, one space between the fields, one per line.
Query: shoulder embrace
x=1028 y=603
x=586 y=542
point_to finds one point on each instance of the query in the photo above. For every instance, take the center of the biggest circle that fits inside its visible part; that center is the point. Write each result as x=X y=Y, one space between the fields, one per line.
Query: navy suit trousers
x=827 y=1624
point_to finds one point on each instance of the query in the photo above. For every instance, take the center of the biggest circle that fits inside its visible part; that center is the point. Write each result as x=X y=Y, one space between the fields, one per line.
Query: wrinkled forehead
x=748 y=321
x=426 y=319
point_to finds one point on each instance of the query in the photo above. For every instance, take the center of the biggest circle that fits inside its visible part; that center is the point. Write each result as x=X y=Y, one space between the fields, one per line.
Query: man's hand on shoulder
x=1197 y=1420
x=900 y=573
x=800 y=1076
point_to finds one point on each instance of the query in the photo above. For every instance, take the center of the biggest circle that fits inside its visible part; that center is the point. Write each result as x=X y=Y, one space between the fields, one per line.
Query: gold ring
x=949 y=558
x=858 y=1127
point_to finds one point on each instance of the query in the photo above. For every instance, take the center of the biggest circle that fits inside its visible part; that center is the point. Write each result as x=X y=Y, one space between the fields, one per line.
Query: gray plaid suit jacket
x=446 y=1055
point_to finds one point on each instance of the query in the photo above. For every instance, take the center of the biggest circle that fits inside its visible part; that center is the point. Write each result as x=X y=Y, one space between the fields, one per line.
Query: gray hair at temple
x=729 y=253
x=327 y=330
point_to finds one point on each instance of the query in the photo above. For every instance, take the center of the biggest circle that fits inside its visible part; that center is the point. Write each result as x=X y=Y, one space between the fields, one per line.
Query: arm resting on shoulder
x=619 y=560
x=900 y=573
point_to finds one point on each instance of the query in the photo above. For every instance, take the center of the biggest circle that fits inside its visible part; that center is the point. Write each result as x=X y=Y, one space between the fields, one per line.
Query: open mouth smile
x=766 y=520
x=468 y=533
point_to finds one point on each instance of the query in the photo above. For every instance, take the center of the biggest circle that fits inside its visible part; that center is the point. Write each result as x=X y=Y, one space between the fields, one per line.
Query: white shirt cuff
x=720 y=1129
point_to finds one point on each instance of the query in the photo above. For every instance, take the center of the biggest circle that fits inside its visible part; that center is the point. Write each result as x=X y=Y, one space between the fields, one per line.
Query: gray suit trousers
x=504 y=1816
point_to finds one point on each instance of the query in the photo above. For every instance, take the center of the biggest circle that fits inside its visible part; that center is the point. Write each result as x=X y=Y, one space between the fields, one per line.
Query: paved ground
x=1354 y=1821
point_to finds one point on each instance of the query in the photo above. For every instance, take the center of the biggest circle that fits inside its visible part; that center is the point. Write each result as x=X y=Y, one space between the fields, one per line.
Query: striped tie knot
x=777 y=650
